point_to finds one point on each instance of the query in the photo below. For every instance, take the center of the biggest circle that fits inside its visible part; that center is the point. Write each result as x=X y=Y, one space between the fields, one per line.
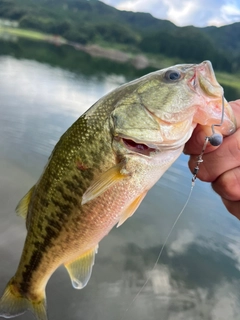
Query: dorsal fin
x=22 y=207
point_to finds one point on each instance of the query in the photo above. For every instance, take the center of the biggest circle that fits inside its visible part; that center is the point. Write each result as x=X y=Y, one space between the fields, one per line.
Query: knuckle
x=233 y=148
x=233 y=207
x=228 y=185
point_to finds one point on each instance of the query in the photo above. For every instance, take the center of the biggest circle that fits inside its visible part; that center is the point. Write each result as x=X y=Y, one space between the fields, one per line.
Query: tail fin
x=12 y=304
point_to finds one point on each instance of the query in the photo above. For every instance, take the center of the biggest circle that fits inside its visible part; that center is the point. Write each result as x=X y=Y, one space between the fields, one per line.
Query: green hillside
x=93 y=22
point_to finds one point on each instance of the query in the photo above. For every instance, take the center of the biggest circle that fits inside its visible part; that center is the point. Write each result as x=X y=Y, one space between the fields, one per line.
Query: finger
x=224 y=158
x=196 y=142
x=233 y=207
x=227 y=185
x=236 y=110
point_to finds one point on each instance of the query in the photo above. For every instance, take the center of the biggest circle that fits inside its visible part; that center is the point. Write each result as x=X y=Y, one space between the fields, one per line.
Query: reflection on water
x=68 y=58
x=36 y=98
x=197 y=276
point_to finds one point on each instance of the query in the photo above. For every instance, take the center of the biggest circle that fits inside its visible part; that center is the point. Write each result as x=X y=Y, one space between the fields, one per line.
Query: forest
x=93 y=22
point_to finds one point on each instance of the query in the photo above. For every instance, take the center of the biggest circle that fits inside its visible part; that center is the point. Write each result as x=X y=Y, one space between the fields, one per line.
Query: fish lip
x=211 y=95
x=204 y=82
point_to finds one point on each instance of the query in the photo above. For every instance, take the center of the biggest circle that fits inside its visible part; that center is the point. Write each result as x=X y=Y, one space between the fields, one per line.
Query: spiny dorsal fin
x=104 y=181
x=129 y=211
x=22 y=207
x=80 y=269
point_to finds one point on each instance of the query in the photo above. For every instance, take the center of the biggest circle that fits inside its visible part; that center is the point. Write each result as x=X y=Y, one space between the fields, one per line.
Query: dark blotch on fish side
x=67 y=197
x=35 y=260
x=44 y=202
x=54 y=223
x=71 y=186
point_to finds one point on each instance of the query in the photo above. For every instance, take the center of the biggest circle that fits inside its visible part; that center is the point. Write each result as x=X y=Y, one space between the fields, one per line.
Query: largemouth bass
x=100 y=171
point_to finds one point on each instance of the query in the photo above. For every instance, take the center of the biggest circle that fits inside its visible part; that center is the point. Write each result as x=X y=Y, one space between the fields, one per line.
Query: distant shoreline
x=139 y=61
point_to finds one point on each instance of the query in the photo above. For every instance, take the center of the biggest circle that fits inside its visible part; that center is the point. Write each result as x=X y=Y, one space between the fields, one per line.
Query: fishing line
x=215 y=139
x=160 y=252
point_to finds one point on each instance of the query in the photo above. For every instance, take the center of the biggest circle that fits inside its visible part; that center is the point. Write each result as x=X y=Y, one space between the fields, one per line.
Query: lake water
x=198 y=274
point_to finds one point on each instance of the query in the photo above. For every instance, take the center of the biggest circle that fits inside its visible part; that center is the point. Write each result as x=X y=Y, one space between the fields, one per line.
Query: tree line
x=91 y=21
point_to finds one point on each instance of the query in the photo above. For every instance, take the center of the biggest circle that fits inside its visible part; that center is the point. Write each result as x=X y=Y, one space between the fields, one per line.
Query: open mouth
x=138 y=147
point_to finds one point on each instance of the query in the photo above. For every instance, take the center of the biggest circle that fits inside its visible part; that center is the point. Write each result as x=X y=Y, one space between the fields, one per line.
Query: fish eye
x=172 y=75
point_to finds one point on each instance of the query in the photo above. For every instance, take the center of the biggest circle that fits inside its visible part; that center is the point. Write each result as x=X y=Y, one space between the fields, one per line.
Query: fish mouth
x=139 y=147
x=148 y=149
x=214 y=106
x=204 y=81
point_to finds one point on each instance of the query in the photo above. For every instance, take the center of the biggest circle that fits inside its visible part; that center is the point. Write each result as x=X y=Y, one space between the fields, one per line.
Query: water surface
x=197 y=276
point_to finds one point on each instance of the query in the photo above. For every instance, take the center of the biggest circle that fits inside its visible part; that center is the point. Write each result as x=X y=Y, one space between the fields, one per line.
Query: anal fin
x=80 y=269
x=129 y=211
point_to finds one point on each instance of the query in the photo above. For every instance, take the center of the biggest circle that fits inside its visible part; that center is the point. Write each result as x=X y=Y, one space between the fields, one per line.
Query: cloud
x=152 y=6
x=180 y=245
x=185 y=12
x=230 y=12
x=160 y=279
x=234 y=250
x=225 y=305
x=181 y=11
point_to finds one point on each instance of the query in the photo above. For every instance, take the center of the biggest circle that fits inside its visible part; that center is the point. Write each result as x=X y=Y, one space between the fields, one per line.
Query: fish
x=100 y=171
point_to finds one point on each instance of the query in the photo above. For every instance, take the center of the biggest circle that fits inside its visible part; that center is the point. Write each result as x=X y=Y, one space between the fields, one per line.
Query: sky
x=200 y=13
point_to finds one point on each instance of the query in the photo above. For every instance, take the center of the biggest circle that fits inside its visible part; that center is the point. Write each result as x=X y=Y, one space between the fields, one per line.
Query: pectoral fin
x=105 y=181
x=81 y=268
x=22 y=207
x=129 y=211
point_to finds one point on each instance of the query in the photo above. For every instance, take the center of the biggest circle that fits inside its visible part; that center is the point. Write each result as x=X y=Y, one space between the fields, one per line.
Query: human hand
x=221 y=165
